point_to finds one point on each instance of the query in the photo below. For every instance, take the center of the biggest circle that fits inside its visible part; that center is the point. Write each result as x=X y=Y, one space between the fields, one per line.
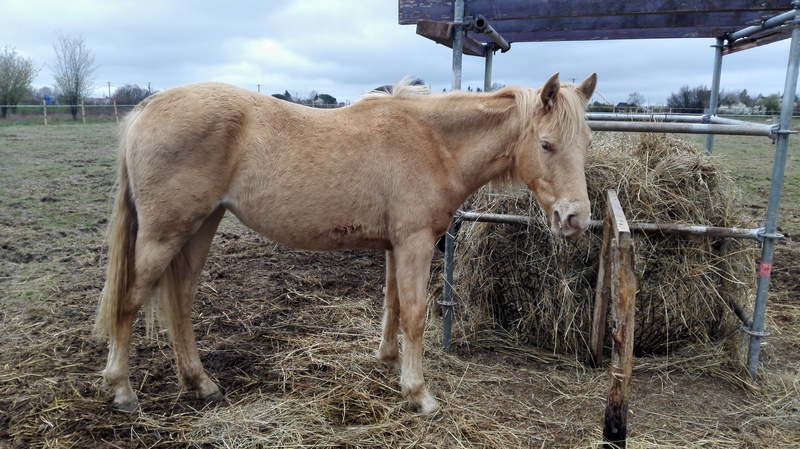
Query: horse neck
x=480 y=131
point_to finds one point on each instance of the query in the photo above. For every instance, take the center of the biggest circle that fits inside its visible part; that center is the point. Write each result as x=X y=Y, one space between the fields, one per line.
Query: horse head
x=551 y=155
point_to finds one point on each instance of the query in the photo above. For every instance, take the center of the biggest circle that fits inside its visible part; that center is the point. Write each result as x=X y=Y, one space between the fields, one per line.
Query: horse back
x=355 y=177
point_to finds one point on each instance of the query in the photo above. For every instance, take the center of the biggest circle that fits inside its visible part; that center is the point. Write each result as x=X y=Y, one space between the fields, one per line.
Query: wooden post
x=601 y=295
x=83 y=113
x=622 y=288
x=116 y=115
x=44 y=103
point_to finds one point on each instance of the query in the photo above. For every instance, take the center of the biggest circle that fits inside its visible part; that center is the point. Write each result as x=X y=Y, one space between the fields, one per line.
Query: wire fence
x=48 y=114
x=99 y=113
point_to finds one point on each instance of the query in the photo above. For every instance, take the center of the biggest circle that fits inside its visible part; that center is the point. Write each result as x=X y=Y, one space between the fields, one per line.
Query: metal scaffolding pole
x=756 y=331
x=714 y=100
x=449 y=238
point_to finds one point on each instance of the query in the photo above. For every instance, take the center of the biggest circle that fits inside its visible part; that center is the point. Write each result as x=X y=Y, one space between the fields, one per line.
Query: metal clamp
x=749 y=331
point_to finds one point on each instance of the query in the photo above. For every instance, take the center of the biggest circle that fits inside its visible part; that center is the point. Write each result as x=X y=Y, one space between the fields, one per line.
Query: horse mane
x=569 y=107
x=407 y=87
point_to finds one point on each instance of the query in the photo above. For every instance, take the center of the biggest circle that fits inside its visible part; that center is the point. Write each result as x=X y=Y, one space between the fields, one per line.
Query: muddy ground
x=289 y=336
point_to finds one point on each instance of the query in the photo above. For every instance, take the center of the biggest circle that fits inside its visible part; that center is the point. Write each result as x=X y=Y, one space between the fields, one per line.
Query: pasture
x=290 y=337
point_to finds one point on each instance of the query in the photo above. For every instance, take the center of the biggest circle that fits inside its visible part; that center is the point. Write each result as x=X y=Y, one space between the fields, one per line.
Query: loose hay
x=541 y=288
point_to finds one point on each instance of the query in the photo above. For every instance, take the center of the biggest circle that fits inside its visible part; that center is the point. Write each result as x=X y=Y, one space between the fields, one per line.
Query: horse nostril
x=557 y=218
x=572 y=221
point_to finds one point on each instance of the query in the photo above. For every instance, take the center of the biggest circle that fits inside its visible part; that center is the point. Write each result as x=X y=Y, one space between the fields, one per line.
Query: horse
x=387 y=172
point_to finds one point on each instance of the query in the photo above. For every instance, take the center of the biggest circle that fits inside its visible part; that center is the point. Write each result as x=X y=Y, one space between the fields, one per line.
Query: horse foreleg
x=389 y=351
x=413 y=262
x=177 y=308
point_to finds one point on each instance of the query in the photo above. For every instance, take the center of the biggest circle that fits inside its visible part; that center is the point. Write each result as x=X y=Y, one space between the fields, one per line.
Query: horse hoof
x=426 y=405
x=214 y=397
x=392 y=364
x=126 y=406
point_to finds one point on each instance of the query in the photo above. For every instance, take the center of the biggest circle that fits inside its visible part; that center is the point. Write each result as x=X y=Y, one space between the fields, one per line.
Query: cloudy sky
x=344 y=48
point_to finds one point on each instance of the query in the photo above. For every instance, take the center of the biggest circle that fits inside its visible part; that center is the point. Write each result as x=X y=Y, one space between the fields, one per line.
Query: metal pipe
x=449 y=239
x=769 y=23
x=482 y=26
x=685 y=128
x=682 y=229
x=714 y=100
x=447 y=302
x=487 y=69
x=458 y=43
x=756 y=331
x=670 y=118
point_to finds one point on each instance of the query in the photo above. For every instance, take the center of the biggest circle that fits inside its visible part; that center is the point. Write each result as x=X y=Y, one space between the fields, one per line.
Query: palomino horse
x=387 y=172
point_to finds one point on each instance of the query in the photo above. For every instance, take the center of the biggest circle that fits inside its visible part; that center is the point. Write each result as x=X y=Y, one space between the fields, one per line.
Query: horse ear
x=550 y=92
x=587 y=87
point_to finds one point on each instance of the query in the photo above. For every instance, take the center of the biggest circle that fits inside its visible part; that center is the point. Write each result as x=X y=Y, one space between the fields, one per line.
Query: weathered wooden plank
x=602 y=292
x=733 y=20
x=410 y=11
x=619 y=224
x=623 y=294
x=443 y=33
x=774 y=35
x=572 y=20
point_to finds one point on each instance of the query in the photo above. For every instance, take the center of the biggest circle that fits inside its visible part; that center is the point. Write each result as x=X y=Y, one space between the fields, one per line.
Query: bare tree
x=16 y=75
x=73 y=71
x=636 y=99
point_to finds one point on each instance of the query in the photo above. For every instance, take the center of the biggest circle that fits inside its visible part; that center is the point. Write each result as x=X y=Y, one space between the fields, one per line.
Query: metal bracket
x=749 y=331
x=763 y=234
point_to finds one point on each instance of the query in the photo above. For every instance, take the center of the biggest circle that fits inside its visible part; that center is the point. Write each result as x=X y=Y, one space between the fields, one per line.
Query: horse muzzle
x=569 y=219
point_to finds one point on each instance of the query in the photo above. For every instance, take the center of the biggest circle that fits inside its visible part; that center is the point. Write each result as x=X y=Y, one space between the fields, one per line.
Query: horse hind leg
x=152 y=255
x=176 y=297
x=389 y=351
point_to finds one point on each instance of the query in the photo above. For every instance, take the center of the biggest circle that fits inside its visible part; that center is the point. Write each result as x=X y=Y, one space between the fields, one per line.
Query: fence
x=46 y=114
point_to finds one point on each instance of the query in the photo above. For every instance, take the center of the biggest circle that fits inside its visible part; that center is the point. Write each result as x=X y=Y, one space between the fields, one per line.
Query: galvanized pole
x=458 y=42
x=447 y=302
x=487 y=70
x=781 y=148
x=714 y=101
x=449 y=238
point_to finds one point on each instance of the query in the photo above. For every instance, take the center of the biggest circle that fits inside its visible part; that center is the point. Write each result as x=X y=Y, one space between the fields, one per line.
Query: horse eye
x=546 y=146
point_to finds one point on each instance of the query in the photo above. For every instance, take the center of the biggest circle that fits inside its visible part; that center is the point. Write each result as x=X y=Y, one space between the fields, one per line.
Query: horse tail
x=121 y=237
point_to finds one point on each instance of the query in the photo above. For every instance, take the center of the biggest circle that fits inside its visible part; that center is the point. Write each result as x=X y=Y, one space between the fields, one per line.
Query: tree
x=327 y=99
x=44 y=92
x=636 y=99
x=130 y=94
x=16 y=75
x=770 y=103
x=690 y=99
x=73 y=71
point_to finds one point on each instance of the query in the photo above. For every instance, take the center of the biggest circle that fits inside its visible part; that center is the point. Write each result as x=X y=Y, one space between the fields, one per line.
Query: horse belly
x=309 y=227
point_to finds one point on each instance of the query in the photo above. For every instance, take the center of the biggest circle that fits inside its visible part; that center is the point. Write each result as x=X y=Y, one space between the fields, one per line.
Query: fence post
x=83 y=113
x=601 y=295
x=116 y=115
x=44 y=103
x=622 y=288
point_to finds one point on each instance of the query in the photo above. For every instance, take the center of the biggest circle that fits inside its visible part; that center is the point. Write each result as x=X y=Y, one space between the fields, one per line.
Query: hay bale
x=541 y=288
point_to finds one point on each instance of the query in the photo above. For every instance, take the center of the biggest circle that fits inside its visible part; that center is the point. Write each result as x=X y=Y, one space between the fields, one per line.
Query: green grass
x=55 y=189
x=750 y=162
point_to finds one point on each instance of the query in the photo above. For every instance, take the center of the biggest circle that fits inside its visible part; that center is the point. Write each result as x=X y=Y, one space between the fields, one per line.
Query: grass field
x=290 y=336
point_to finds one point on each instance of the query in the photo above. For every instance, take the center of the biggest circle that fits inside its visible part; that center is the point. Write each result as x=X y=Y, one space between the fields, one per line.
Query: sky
x=345 y=48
